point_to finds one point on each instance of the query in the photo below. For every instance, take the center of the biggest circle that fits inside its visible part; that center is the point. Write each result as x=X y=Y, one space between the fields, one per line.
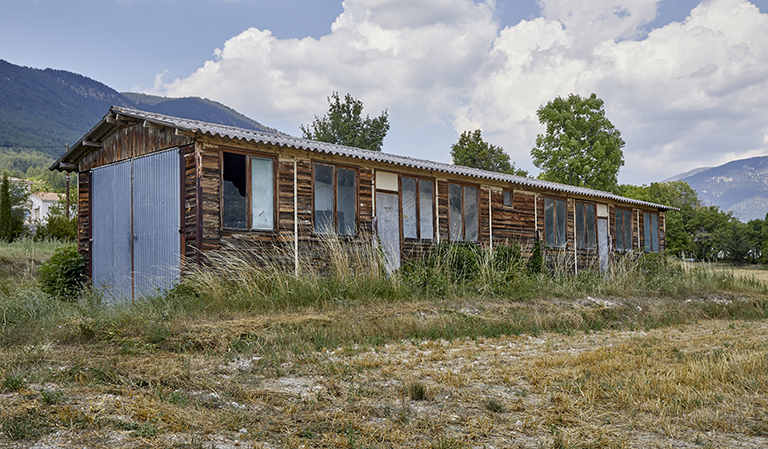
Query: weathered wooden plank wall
x=133 y=141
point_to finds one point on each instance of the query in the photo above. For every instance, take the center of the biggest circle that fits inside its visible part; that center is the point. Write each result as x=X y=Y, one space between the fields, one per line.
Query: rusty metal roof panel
x=284 y=140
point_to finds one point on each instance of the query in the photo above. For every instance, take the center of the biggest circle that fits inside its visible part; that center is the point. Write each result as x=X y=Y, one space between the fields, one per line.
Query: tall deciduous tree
x=344 y=125
x=580 y=147
x=472 y=151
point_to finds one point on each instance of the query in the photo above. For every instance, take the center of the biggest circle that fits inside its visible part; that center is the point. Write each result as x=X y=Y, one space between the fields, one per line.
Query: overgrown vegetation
x=463 y=348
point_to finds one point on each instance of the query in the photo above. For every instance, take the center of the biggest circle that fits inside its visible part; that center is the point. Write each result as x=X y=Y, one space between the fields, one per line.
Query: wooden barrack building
x=155 y=190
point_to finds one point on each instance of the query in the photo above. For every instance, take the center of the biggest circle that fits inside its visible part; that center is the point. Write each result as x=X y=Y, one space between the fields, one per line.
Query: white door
x=388 y=228
x=602 y=242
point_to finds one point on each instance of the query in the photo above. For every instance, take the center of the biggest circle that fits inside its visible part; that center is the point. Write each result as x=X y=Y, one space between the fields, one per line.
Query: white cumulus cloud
x=690 y=93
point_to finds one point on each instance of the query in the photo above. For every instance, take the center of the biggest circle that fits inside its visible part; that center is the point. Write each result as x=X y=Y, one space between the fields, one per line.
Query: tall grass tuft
x=338 y=272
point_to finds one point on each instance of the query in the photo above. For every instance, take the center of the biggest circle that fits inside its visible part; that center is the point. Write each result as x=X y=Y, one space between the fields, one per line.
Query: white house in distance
x=40 y=204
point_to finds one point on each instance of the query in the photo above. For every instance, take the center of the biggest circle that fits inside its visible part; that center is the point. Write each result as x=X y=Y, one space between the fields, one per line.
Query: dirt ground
x=702 y=385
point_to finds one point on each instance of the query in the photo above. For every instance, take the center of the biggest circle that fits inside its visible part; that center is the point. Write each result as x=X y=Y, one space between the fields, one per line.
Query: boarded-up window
x=623 y=230
x=462 y=213
x=651 y=231
x=585 y=226
x=335 y=200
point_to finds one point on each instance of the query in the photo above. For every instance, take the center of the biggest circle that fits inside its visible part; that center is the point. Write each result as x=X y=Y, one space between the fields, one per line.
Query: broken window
x=462 y=213
x=416 y=204
x=239 y=190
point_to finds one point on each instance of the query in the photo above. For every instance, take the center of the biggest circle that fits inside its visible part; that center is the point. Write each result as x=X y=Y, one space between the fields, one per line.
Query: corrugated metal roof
x=231 y=132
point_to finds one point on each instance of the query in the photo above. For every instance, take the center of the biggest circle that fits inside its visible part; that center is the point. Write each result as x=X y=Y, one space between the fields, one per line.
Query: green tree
x=678 y=194
x=580 y=146
x=472 y=151
x=344 y=125
x=13 y=201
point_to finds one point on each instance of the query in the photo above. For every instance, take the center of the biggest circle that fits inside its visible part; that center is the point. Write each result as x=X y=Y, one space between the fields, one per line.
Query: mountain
x=738 y=186
x=43 y=110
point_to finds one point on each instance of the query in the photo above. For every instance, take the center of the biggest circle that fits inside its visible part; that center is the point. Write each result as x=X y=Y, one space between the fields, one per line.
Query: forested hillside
x=41 y=111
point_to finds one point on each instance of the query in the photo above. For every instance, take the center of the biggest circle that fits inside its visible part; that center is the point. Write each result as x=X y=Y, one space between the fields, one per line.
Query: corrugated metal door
x=156 y=217
x=111 y=228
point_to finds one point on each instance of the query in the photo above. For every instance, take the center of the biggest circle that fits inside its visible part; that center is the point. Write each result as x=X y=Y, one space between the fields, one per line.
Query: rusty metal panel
x=111 y=227
x=156 y=218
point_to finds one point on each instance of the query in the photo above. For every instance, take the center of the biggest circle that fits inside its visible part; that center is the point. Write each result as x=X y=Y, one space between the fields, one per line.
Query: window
x=585 y=226
x=335 y=199
x=554 y=222
x=507 y=198
x=248 y=180
x=462 y=213
x=623 y=230
x=651 y=231
x=416 y=198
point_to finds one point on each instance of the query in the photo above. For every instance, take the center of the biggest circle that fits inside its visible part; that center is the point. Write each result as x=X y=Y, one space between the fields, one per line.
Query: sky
x=684 y=81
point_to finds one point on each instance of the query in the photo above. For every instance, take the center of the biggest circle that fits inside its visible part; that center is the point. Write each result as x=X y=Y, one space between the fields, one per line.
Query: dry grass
x=239 y=384
x=246 y=356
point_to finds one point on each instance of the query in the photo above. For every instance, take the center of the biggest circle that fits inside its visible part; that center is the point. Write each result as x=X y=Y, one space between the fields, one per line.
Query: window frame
x=463 y=186
x=508 y=193
x=248 y=189
x=625 y=213
x=419 y=229
x=335 y=200
x=583 y=243
x=648 y=230
x=556 y=221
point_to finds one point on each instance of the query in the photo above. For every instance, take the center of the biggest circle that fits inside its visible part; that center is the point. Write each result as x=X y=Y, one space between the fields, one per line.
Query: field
x=558 y=362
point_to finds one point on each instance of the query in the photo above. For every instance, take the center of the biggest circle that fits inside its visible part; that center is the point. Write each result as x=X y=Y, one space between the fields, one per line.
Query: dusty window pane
x=454 y=212
x=470 y=214
x=627 y=230
x=581 y=238
x=589 y=216
x=323 y=198
x=549 y=221
x=619 y=230
x=507 y=198
x=425 y=209
x=235 y=205
x=409 y=207
x=655 y=232
x=345 y=201
x=647 y=231
x=560 y=205
x=262 y=194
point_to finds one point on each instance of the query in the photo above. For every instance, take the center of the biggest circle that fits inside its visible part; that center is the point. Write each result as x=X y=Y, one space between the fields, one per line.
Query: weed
x=145 y=431
x=13 y=383
x=51 y=397
x=26 y=426
x=417 y=391
x=493 y=405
